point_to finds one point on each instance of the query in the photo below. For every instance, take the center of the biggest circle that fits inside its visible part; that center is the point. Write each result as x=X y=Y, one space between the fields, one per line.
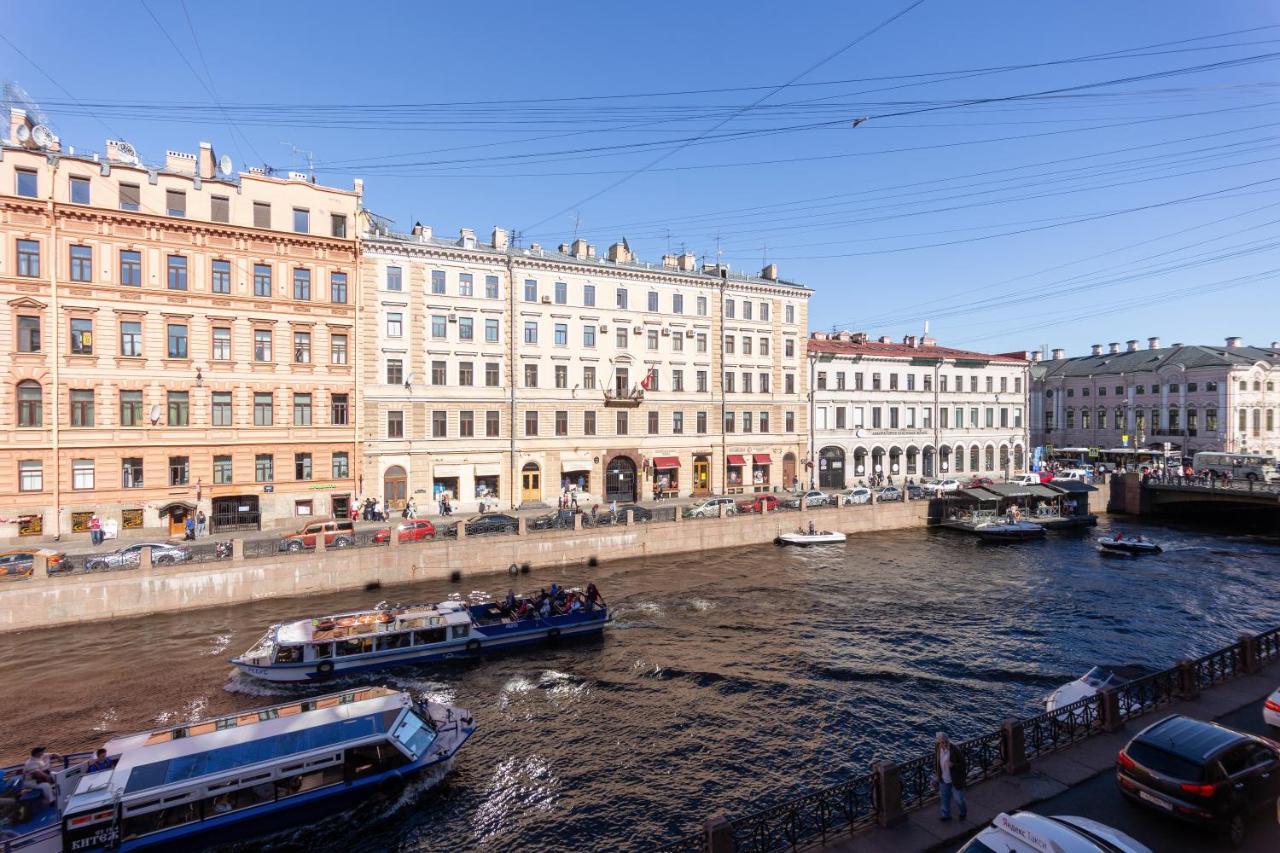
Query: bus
x=1237 y=466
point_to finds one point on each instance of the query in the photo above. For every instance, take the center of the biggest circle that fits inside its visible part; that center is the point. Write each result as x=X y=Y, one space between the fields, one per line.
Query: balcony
x=615 y=400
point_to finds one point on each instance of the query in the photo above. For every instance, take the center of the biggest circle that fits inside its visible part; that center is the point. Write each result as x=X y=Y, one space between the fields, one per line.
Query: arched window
x=990 y=458
x=1018 y=461
x=973 y=457
x=959 y=458
x=1271 y=420
x=1004 y=457
x=30 y=404
x=1102 y=418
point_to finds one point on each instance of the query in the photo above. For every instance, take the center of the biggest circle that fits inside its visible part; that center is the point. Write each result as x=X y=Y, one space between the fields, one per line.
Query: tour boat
x=1131 y=545
x=1009 y=531
x=328 y=646
x=243 y=775
x=821 y=537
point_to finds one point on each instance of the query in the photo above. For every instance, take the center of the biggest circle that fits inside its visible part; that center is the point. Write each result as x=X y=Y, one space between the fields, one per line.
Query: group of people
x=558 y=601
x=38 y=775
x=568 y=499
x=195 y=525
x=369 y=510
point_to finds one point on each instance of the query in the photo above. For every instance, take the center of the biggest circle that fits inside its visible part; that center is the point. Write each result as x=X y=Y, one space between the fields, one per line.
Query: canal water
x=724 y=678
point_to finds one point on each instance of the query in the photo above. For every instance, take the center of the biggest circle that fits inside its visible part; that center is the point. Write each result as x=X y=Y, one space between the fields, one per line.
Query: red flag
x=648 y=378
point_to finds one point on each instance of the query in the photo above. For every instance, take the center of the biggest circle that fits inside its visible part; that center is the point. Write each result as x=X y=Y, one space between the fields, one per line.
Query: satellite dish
x=127 y=152
x=42 y=136
x=23 y=133
x=155 y=414
x=225 y=165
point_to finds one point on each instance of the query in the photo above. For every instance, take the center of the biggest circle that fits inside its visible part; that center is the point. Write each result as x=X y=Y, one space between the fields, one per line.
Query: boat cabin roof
x=171 y=756
x=367 y=622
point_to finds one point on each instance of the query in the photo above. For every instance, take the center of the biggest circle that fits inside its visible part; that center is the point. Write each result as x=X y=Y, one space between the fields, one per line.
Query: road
x=1098 y=799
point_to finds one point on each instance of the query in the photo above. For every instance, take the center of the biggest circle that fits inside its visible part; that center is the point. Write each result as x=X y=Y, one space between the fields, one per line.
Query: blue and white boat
x=241 y=776
x=328 y=646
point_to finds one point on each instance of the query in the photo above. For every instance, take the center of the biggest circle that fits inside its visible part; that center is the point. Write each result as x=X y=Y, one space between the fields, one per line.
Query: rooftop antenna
x=717 y=247
x=764 y=256
x=310 y=155
x=668 y=241
x=577 y=223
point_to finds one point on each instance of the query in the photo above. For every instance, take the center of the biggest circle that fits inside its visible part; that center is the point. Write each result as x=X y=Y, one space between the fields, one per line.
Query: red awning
x=660 y=462
x=762 y=459
x=736 y=460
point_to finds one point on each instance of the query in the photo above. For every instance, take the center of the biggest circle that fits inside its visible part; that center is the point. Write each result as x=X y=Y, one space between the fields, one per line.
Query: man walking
x=950 y=770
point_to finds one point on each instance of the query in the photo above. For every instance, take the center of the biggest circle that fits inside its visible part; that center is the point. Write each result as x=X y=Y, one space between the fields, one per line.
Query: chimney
x=563 y=248
x=180 y=162
x=17 y=118
x=1131 y=345
x=1096 y=349
x=844 y=336
x=687 y=262
x=422 y=232
x=591 y=251
x=579 y=248
x=536 y=248
x=1234 y=342
x=885 y=339
x=499 y=238
x=770 y=272
x=927 y=341
x=909 y=341
x=820 y=336
x=1113 y=348
x=669 y=262
x=1153 y=343
x=206 y=164
x=1275 y=344
x=620 y=253
x=1059 y=353
x=467 y=238
x=1035 y=356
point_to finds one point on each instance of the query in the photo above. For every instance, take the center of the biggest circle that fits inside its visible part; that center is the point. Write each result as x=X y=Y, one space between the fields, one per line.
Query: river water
x=724 y=678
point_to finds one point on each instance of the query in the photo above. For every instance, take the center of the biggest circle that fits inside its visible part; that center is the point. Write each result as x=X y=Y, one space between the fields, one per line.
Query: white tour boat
x=818 y=537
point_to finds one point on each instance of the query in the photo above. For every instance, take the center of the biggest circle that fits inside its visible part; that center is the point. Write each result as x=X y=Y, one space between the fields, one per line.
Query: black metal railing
x=696 y=843
x=984 y=756
x=1148 y=693
x=1269 y=646
x=1052 y=730
x=810 y=817
x=1219 y=666
x=917 y=782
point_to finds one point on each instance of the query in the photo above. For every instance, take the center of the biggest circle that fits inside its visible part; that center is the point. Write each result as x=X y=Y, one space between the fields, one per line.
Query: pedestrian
x=201 y=522
x=190 y=527
x=37 y=773
x=950 y=770
x=95 y=529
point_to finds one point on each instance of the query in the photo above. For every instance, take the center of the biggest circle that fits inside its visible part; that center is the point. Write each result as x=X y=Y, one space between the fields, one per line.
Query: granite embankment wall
x=83 y=597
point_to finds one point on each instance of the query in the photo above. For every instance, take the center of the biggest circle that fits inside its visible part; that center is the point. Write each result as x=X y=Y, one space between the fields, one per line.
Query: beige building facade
x=181 y=339
x=507 y=376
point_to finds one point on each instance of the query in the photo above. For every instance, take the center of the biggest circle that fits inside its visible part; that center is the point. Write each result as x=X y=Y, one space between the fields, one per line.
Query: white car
x=1078 y=474
x=811 y=498
x=1271 y=710
x=1028 y=832
x=1026 y=480
x=710 y=508
x=860 y=495
x=937 y=487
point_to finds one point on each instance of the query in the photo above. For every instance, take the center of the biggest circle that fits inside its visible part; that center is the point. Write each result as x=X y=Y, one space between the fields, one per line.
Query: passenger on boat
x=545 y=610
x=593 y=597
x=511 y=599
x=100 y=762
x=37 y=773
x=813 y=529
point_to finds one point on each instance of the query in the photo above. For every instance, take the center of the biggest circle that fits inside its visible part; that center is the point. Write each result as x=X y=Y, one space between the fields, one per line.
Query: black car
x=560 y=520
x=492 y=522
x=1201 y=773
x=638 y=514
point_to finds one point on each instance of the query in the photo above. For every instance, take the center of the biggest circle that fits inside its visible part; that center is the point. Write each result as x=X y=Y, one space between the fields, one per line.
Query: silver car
x=162 y=554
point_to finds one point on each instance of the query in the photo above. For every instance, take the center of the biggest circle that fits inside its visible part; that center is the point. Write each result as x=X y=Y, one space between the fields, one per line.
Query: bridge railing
x=1210 y=483
x=893 y=789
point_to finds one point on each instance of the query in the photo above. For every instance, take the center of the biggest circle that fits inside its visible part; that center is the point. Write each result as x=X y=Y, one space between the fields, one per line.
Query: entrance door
x=620 y=480
x=701 y=475
x=341 y=506
x=236 y=512
x=177 y=521
x=788 y=470
x=395 y=487
x=831 y=468
x=530 y=483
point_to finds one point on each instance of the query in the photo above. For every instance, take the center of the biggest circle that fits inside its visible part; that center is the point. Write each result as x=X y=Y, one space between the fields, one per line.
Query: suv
x=710 y=508
x=1201 y=773
x=337 y=534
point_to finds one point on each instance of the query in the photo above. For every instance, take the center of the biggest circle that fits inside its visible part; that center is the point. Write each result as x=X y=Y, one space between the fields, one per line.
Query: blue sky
x=1112 y=211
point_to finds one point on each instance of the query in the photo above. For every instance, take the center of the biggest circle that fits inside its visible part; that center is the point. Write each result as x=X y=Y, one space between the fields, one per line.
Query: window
x=531 y=423
x=764 y=421
x=439 y=424
x=531 y=376
x=438 y=373
x=492 y=423
x=301 y=409
x=81 y=408
x=301 y=220
x=222 y=470
x=588 y=376
x=179 y=470
x=340 y=466
x=179 y=406
x=530 y=290
x=677 y=380
x=701 y=379
x=620 y=338
x=337 y=349
x=764 y=383
x=562 y=422
x=130 y=408
x=130 y=197
x=491 y=374
x=28 y=333
x=262 y=345
x=701 y=306
x=491 y=331
x=177 y=337
x=561 y=334
x=589 y=295
x=221 y=408
x=746 y=382
x=439 y=326
x=491 y=287
x=82 y=474
x=264 y=468
x=395 y=424
x=81 y=336
x=301 y=347
x=131 y=338
x=701 y=423
x=261 y=280
x=729 y=421
x=338 y=409
x=263 y=408
x=29 y=258
x=466 y=374
x=261 y=214
x=730 y=309
x=395 y=325
x=622 y=298
x=530 y=331
x=562 y=375
x=589 y=335
x=588 y=422
x=677 y=342
x=175 y=202
x=30 y=475
x=653 y=423
x=130 y=268
x=466 y=423
x=26 y=183
x=701 y=341
x=337 y=225
x=730 y=345
x=622 y=423
x=81 y=263
x=746 y=345
x=220 y=208
x=746 y=314
x=466 y=284
x=677 y=423
x=302 y=284
x=677 y=303
x=338 y=288
x=652 y=339
x=177 y=272
x=30 y=404
x=653 y=300
x=729 y=379
x=220 y=277
x=789 y=418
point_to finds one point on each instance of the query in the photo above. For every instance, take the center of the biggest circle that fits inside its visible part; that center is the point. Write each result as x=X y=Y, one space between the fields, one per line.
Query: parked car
x=938 y=487
x=978 y=482
x=18 y=562
x=759 y=503
x=1026 y=480
x=1271 y=710
x=1201 y=773
x=915 y=492
x=1028 y=832
x=559 y=520
x=491 y=522
x=409 y=530
x=1078 y=474
x=888 y=493
x=338 y=533
x=811 y=498
x=859 y=495
x=710 y=508
x=162 y=554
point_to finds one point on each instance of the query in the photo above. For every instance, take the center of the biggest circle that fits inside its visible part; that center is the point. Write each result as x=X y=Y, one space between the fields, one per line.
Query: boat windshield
x=1101 y=677
x=413 y=734
x=264 y=649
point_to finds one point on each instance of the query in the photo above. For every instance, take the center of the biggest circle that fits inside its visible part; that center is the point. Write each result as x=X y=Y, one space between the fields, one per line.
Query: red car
x=759 y=503
x=978 y=481
x=411 y=530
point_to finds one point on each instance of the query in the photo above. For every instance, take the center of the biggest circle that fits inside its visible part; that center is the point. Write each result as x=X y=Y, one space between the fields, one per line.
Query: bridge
x=1138 y=495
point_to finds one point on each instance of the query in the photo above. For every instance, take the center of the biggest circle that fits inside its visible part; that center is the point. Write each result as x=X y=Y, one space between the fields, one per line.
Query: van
x=1078 y=474
x=338 y=533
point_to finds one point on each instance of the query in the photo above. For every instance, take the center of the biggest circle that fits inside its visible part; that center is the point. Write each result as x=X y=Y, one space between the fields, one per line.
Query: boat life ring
x=325 y=667
x=473 y=646
x=553 y=634
x=326 y=625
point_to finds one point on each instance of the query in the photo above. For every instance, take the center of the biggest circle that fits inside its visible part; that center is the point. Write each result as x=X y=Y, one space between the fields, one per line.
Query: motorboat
x=1091 y=683
x=391 y=635
x=818 y=537
x=241 y=776
x=1009 y=531
x=1128 y=544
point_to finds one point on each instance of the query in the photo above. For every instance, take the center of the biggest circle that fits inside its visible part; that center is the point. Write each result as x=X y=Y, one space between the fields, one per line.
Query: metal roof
x=1040 y=491
x=1154 y=359
x=980 y=495
x=1009 y=490
x=1071 y=486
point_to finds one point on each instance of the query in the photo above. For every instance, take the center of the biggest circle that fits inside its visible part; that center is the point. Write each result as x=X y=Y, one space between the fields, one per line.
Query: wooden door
x=530 y=485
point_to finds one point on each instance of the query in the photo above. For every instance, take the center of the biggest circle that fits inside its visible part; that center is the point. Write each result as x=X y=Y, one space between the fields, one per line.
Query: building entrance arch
x=530 y=483
x=831 y=467
x=620 y=480
x=395 y=487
